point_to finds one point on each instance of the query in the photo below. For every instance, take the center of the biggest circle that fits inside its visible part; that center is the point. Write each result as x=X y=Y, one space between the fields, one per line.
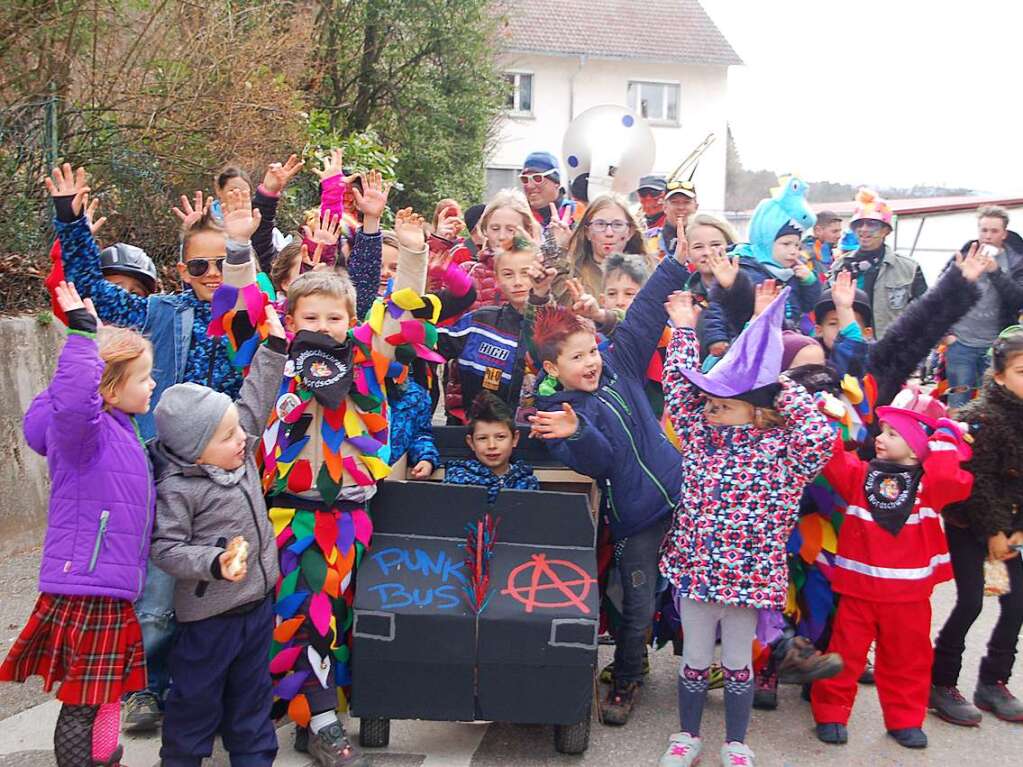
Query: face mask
x=322 y=366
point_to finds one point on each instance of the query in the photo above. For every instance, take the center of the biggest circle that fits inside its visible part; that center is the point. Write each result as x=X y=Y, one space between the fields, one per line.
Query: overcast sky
x=887 y=92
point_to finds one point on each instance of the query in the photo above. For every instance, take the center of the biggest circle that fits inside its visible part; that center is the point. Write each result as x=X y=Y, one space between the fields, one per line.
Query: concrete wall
x=562 y=89
x=29 y=352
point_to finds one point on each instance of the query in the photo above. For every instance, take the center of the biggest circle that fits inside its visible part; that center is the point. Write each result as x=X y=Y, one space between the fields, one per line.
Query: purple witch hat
x=751 y=366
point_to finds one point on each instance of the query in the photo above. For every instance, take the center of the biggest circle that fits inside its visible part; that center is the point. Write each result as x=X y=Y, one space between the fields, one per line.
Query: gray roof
x=675 y=31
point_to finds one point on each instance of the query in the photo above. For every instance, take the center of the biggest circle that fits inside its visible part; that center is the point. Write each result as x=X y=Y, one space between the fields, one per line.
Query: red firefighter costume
x=885 y=578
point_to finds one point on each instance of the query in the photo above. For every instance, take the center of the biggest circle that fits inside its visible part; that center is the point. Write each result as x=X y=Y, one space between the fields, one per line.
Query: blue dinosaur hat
x=784 y=212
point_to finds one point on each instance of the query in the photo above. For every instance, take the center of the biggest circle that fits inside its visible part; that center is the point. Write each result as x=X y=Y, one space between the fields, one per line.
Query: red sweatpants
x=902 y=661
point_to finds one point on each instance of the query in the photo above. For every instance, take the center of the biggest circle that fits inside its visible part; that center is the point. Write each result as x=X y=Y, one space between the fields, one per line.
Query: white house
x=666 y=61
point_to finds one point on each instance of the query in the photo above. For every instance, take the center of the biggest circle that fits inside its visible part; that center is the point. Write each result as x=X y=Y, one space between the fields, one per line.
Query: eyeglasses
x=867 y=225
x=617 y=226
x=649 y=193
x=536 y=178
x=197 y=267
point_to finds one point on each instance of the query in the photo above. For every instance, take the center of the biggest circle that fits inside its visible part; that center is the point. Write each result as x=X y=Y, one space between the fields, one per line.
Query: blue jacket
x=175 y=323
x=472 y=472
x=411 y=424
x=620 y=442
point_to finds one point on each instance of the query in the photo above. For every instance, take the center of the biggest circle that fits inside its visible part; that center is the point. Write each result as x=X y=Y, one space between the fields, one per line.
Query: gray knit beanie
x=187 y=416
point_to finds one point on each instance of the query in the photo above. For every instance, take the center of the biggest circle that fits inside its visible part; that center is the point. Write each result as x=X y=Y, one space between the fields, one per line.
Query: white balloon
x=611 y=143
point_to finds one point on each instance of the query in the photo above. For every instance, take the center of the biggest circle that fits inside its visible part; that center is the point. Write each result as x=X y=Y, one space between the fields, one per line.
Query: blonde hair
x=208 y=223
x=516 y=201
x=118 y=348
x=326 y=283
x=388 y=237
x=580 y=250
x=994 y=211
x=706 y=219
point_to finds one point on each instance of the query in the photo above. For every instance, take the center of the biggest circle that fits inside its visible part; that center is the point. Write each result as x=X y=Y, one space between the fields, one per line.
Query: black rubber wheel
x=374 y=733
x=573 y=738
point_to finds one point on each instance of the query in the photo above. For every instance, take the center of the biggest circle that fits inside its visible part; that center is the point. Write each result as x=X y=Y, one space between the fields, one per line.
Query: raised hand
x=63 y=182
x=449 y=226
x=68 y=298
x=440 y=260
x=240 y=219
x=190 y=213
x=326 y=230
x=409 y=227
x=766 y=292
x=724 y=269
x=542 y=278
x=557 y=424
x=372 y=199
x=95 y=224
x=583 y=303
x=273 y=323
x=558 y=226
x=682 y=310
x=278 y=176
x=332 y=164
x=974 y=264
x=681 y=244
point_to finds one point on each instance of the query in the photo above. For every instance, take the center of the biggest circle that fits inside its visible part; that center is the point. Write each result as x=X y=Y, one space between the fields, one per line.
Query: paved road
x=782 y=738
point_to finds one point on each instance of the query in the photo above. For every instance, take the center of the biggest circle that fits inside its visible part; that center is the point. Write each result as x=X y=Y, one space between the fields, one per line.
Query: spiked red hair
x=553 y=326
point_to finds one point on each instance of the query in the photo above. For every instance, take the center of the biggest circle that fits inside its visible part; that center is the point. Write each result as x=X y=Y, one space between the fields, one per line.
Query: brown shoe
x=804 y=663
x=617 y=706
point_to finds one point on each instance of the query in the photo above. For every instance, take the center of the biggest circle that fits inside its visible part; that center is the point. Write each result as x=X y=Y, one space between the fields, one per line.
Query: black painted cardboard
x=420 y=652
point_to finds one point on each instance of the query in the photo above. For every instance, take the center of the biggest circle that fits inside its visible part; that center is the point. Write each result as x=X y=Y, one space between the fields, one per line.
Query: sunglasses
x=649 y=193
x=868 y=226
x=536 y=178
x=197 y=267
x=618 y=226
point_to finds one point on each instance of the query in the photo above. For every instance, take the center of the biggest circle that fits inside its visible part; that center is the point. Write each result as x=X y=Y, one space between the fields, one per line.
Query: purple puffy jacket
x=103 y=498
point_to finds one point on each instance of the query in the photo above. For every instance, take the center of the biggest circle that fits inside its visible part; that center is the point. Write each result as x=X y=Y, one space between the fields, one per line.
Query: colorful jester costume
x=324 y=449
x=813 y=543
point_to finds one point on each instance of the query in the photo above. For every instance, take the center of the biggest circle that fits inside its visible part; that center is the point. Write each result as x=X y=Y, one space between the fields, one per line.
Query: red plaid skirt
x=93 y=645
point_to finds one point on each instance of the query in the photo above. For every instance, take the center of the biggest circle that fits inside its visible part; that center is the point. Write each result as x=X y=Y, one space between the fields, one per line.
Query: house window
x=520 y=92
x=658 y=102
x=502 y=178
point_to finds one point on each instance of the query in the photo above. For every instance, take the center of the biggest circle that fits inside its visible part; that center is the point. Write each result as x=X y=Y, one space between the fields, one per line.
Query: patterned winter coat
x=740 y=490
x=518 y=477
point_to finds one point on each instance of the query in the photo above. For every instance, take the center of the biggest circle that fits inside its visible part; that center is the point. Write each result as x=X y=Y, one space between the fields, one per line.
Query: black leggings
x=968 y=555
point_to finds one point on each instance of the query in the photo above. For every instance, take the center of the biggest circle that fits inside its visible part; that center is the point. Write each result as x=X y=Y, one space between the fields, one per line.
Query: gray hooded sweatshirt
x=196 y=516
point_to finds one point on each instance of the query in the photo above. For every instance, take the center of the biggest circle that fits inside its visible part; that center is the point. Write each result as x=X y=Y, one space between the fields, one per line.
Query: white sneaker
x=736 y=754
x=683 y=751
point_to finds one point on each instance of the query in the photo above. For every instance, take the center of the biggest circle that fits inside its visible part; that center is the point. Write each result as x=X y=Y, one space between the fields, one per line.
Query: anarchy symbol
x=548 y=576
